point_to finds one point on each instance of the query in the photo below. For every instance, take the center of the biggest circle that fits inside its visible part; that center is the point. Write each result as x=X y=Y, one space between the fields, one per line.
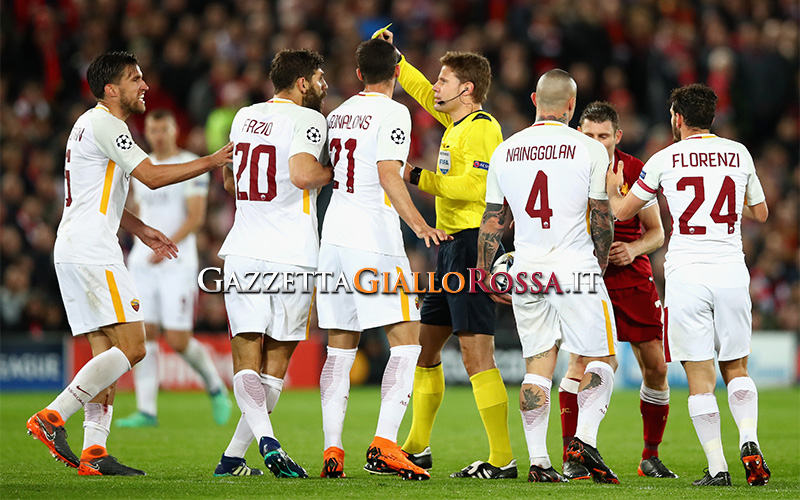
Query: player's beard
x=132 y=106
x=313 y=100
x=676 y=133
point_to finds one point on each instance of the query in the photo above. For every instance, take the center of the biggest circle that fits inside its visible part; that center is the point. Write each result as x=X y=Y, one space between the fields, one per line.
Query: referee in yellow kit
x=459 y=185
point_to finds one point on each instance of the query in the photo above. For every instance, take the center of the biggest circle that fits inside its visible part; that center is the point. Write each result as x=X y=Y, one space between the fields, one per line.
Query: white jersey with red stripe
x=547 y=173
x=367 y=128
x=165 y=209
x=705 y=180
x=274 y=221
x=99 y=160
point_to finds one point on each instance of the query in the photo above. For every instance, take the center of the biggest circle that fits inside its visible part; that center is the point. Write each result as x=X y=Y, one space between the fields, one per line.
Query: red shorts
x=638 y=313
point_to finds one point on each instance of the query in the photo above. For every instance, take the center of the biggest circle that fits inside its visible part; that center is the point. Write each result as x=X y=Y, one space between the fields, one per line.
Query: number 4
x=539 y=191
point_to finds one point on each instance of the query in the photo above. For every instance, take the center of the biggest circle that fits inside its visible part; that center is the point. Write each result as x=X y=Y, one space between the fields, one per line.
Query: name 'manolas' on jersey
x=547 y=173
x=165 y=209
x=367 y=128
x=275 y=221
x=705 y=180
x=99 y=160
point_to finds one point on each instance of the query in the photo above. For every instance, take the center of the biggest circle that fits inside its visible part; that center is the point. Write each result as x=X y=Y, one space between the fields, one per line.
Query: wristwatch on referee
x=416 y=173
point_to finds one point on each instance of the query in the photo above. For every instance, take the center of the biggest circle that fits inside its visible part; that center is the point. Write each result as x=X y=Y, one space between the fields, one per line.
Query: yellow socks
x=427 y=397
x=492 y=400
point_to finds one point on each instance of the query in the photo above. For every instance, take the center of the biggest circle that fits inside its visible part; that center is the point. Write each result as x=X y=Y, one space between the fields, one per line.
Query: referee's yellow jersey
x=459 y=182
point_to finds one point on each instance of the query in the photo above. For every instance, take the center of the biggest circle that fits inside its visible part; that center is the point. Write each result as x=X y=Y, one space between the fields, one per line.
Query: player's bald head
x=555 y=89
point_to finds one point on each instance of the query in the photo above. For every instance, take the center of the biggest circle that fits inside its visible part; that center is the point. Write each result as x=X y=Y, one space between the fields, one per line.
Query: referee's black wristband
x=416 y=173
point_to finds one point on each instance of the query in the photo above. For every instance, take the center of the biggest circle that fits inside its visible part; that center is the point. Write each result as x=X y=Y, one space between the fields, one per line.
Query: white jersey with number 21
x=367 y=128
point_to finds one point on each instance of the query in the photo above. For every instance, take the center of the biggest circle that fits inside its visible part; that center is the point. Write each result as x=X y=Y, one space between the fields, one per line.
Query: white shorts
x=582 y=324
x=282 y=315
x=167 y=294
x=97 y=296
x=359 y=311
x=701 y=318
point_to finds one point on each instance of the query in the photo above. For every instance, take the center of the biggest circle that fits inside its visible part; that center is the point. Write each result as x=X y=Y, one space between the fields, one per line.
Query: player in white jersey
x=368 y=141
x=168 y=288
x=99 y=296
x=275 y=178
x=546 y=175
x=709 y=183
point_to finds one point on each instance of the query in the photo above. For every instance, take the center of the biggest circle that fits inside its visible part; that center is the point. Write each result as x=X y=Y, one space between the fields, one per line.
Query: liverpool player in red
x=637 y=308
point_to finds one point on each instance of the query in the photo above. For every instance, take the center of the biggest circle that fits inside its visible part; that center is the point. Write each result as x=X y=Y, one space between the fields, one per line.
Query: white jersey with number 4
x=705 y=180
x=546 y=173
x=165 y=210
x=100 y=158
x=367 y=128
x=275 y=221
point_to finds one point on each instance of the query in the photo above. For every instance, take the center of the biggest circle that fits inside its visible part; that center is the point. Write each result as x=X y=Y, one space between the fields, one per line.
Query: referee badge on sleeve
x=444 y=161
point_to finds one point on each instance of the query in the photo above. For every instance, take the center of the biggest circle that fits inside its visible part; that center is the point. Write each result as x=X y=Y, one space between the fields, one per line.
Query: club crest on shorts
x=135 y=304
x=416 y=302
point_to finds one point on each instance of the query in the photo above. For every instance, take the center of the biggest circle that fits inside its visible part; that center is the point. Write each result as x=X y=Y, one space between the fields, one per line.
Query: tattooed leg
x=593 y=399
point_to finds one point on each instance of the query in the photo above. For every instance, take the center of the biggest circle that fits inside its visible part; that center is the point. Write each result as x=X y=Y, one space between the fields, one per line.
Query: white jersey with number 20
x=275 y=221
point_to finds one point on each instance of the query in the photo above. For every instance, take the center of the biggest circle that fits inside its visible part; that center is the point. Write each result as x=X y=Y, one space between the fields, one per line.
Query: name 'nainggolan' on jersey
x=367 y=128
x=275 y=221
x=547 y=172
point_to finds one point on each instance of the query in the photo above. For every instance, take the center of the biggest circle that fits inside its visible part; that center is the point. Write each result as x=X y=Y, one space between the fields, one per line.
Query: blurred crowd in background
x=204 y=60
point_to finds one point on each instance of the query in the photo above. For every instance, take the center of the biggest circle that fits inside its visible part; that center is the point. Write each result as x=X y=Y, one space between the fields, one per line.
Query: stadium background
x=204 y=60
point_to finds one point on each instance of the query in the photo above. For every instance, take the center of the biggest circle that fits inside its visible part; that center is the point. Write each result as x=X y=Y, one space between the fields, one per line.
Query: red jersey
x=638 y=271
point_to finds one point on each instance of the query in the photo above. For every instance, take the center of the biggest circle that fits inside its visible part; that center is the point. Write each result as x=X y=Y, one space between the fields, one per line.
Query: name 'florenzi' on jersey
x=710 y=159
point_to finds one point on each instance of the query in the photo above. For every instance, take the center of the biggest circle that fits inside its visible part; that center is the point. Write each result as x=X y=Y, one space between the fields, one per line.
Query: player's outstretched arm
x=602 y=225
x=623 y=207
x=416 y=85
x=396 y=190
x=156 y=176
x=623 y=253
x=491 y=232
x=155 y=239
x=306 y=172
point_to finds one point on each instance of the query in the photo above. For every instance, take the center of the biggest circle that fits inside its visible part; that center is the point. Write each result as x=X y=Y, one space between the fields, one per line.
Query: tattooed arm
x=494 y=220
x=602 y=225
x=491 y=231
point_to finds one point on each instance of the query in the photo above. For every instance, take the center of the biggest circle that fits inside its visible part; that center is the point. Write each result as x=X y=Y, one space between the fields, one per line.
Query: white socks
x=243 y=436
x=145 y=380
x=273 y=386
x=200 y=360
x=654 y=397
x=593 y=400
x=334 y=389
x=96 y=424
x=535 y=417
x=97 y=374
x=705 y=416
x=743 y=401
x=396 y=387
x=251 y=399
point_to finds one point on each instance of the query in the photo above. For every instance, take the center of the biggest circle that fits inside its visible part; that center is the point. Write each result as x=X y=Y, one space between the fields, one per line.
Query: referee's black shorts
x=463 y=311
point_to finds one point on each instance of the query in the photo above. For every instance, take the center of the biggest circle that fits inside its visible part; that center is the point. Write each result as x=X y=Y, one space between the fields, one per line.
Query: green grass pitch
x=180 y=455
